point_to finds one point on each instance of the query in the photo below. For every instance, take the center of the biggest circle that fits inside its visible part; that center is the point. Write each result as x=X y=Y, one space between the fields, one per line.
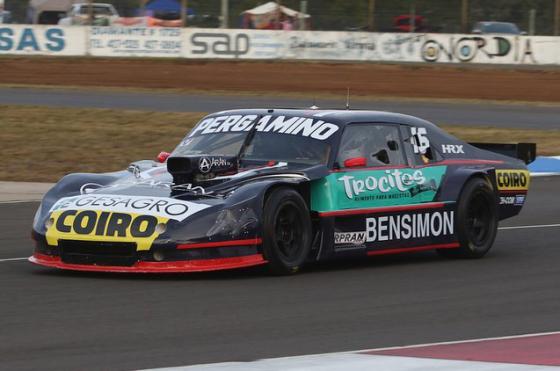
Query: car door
x=376 y=196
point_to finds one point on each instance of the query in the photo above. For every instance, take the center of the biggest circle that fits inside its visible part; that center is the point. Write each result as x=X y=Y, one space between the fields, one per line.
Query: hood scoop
x=197 y=169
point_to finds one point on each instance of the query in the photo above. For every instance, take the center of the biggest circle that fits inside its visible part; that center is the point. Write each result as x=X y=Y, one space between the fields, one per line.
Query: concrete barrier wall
x=272 y=45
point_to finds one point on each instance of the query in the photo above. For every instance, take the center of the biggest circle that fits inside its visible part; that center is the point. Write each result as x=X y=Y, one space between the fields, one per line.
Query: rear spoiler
x=523 y=151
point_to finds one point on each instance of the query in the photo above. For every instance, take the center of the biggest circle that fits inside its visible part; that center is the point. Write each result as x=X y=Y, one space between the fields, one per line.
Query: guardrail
x=275 y=45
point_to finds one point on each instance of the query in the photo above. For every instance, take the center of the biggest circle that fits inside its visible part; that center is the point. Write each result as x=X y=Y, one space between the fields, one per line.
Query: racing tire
x=477 y=220
x=286 y=231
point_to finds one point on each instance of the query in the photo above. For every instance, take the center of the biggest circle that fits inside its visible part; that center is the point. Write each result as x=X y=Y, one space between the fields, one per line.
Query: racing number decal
x=419 y=140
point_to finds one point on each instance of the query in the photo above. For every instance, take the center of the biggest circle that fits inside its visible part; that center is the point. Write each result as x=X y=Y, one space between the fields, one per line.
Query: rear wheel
x=477 y=220
x=286 y=231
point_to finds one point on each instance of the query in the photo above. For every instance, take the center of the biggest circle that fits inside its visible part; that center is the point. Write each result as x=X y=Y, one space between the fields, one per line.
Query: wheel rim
x=479 y=219
x=289 y=232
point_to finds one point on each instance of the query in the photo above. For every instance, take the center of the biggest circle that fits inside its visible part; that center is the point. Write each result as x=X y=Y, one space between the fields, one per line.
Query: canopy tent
x=271 y=15
x=48 y=11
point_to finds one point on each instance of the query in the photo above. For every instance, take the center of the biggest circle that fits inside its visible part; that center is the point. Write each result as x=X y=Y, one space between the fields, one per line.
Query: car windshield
x=276 y=138
x=506 y=28
x=97 y=10
x=263 y=147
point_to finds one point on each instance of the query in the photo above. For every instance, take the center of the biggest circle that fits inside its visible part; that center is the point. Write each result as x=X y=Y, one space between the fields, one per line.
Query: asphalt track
x=458 y=113
x=55 y=320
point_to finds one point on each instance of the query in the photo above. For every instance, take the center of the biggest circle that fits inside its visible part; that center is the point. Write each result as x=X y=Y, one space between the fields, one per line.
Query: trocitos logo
x=391 y=180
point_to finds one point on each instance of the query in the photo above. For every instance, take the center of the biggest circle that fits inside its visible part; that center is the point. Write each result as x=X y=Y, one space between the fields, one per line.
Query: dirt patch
x=44 y=144
x=417 y=81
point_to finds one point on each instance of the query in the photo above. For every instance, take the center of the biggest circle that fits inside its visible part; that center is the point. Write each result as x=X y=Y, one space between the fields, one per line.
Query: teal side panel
x=376 y=188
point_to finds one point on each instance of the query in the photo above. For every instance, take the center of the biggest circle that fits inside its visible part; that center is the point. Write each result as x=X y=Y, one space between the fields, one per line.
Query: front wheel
x=286 y=231
x=477 y=220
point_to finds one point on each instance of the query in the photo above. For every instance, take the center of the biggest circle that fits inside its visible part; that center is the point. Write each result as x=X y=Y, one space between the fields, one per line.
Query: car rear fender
x=456 y=180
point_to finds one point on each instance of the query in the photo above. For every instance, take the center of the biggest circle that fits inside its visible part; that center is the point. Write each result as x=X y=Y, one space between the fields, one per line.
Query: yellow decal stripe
x=105 y=226
x=512 y=180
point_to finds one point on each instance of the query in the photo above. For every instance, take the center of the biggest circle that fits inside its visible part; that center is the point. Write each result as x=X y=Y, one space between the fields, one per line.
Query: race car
x=284 y=187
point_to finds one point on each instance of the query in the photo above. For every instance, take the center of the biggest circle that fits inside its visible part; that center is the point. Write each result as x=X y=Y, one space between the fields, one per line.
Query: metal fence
x=449 y=16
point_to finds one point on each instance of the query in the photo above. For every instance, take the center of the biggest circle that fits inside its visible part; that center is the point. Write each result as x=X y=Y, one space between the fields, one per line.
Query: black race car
x=283 y=187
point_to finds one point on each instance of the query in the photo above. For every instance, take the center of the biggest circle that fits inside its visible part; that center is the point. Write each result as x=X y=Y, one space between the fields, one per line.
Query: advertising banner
x=42 y=40
x=136 y=42
x=200 y=43
x=234 y=44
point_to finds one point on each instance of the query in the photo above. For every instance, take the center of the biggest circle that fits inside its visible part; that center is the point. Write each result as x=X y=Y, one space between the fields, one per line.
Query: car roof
x=335 y=116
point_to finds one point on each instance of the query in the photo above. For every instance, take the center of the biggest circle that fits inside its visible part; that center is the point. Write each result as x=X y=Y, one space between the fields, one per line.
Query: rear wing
x=523 y=151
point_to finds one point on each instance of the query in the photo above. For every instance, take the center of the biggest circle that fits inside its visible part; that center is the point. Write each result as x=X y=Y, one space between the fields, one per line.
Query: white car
x=103 y=15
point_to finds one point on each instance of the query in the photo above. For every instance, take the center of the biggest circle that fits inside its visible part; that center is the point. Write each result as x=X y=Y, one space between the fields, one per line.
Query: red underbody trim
x=412 y=249
x=252 y=241
x=430 y=205
x=155 y=267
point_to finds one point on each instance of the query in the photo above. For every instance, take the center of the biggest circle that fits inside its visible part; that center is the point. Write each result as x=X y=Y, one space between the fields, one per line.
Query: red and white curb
x=532 y=352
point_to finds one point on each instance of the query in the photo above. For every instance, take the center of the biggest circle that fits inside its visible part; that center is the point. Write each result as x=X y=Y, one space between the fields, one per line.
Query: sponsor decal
x=303 y=126
x=409 y=226
x=420 y=141
x=95 y=225
x=376 y=188
x=393 y=180
x=220 y=44
x=396 y=230
x=452 y=148
x=206 y=164
x=517 y=200
x=31 y=39
x=507 y=200
x=512 y=180
x=353 y=238
x=163 y=207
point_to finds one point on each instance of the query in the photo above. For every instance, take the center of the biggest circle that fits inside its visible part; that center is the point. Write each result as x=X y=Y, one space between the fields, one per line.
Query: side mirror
x=355 y=162
x=162 y=157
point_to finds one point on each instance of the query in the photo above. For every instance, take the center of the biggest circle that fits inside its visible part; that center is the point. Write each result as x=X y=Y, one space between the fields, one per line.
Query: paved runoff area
x=21 y=192
x=316 y=320
x=533 y=352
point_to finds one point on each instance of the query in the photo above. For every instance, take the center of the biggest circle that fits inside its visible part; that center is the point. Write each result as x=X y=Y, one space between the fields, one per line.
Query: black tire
x=286 y=231
x=476 y=223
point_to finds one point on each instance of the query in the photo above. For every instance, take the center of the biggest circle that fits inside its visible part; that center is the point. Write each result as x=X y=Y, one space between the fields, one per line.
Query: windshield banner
x=293 y=125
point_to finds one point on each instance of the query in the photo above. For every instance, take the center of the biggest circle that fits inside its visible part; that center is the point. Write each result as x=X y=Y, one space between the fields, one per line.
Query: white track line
x=531 y=226
x=461 y=341
x=13 y=259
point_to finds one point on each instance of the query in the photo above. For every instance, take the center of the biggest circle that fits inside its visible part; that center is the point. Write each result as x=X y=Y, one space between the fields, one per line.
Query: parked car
x=506 y=28
x=103 y=15
x=403 y=23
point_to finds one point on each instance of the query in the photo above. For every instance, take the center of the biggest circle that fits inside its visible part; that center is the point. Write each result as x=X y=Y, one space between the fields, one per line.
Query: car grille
x=98 y=253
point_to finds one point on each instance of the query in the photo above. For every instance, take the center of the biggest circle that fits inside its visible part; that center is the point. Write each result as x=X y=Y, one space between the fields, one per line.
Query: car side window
x=370 y=145
x=419 y=145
